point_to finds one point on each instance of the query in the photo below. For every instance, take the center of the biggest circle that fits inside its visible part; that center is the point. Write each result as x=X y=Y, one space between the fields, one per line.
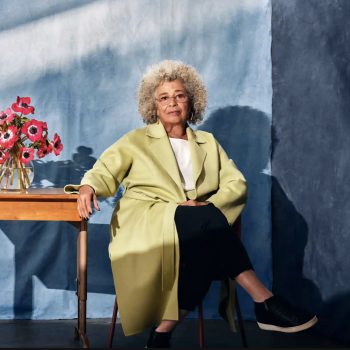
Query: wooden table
x=52 y=204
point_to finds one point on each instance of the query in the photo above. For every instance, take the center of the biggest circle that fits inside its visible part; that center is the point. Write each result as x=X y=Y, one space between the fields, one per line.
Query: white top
x=182 y=152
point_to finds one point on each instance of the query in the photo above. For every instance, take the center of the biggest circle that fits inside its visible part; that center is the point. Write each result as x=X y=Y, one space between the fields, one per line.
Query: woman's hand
x=192 y=203
x=86 y=196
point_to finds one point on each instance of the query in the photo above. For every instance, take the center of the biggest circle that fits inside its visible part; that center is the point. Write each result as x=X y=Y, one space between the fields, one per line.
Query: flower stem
x=7 y=170
x=21 y=169
x=19 y=179
x=12 y=172
x=19 y=172
x=21 y=183
x=3 y=169
x=26 y=178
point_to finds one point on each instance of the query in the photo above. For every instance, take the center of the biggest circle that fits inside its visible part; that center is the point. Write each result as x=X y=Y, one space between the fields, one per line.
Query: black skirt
x=209 y=249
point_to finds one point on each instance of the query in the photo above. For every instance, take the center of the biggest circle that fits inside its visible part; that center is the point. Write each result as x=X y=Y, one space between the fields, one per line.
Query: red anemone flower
x=3 y=117
x=8 y=137
x=3 y=156
x=26 y=155
x=6 y=116
x=34 y=130
x=44 y=126
x=22 y=105
x=57 y=145
x=46 y=145
x=45 y=148
x=42 y=152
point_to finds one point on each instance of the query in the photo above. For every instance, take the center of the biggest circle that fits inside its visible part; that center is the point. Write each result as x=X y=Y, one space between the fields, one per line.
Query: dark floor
x=59 y=334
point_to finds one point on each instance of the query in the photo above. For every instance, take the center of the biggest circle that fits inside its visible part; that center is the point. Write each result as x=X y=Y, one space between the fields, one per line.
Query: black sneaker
x=277 y=314
x=158 y=340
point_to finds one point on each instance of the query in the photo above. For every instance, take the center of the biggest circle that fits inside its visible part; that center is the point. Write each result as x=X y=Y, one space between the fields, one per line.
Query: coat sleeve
x=232 y=193
x=108 y=171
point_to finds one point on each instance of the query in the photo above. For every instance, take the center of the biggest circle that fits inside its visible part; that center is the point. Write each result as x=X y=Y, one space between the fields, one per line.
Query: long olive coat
x=144 y=246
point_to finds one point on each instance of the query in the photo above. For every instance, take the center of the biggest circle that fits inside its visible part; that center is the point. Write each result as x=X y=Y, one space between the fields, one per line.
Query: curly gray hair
x=169 y=71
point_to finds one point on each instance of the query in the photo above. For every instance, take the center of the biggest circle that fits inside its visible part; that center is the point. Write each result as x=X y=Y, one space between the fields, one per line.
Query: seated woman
x=171 y=232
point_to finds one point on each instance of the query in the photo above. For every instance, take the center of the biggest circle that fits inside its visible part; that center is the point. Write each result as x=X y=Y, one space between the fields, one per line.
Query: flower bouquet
x=16 y=168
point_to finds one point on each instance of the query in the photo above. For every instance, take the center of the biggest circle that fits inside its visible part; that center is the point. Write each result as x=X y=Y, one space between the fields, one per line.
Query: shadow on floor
x=59 y=334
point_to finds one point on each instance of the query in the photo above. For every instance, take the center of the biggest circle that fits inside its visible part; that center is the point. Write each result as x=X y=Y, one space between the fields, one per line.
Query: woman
x=171 y=231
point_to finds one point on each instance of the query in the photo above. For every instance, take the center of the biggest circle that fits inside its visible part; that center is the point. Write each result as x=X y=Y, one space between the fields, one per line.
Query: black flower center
x=6 y=135
x=26 y=155
x=3 y=116
x=47 y=143
x=56 y=144
x=1 y=154
x=45 y=151
x=23 y=104
x=33 y=130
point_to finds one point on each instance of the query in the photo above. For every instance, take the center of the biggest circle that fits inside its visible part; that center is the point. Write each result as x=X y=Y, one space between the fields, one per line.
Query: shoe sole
x=268 y=327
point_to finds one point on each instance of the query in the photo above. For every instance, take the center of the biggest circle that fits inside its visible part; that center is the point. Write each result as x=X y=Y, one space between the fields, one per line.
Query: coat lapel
x=162 y=149
x=198 y=154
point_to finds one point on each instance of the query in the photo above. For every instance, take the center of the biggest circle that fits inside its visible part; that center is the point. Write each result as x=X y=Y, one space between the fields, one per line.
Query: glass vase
x=15 y=175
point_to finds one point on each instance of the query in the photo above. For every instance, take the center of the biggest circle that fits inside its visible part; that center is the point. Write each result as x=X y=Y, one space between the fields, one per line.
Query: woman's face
x=174 y=111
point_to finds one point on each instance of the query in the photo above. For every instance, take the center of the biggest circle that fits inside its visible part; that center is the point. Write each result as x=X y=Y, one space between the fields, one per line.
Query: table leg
x=82 y=283
x=77 y=327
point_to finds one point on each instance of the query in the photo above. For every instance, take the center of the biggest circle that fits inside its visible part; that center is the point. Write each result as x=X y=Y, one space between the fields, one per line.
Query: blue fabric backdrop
x=80 y=62
x=310 y=160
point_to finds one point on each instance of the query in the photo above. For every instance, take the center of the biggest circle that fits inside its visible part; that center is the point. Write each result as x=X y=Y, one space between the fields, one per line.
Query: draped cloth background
x=81 y=61
x=310 y=161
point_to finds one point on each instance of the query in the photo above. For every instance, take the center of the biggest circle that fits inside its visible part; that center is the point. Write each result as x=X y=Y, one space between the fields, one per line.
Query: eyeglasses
x=165 y=100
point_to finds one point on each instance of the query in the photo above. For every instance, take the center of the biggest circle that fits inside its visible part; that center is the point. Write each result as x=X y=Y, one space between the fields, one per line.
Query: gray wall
x=310 y=161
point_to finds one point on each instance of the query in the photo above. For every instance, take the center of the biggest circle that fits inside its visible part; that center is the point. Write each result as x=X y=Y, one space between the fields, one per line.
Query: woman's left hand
x=192 y=203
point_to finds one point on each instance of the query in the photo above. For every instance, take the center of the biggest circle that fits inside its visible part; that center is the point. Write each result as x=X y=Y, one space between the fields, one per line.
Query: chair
x=237 y=228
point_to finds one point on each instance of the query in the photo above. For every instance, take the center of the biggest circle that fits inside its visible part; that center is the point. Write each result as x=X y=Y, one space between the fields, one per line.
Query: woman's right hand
x=86 y=196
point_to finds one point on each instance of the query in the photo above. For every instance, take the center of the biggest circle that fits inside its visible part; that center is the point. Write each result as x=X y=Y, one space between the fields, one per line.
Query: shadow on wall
x=70 y=172
x=289 y=239
x=53 y=258
x=244 y=133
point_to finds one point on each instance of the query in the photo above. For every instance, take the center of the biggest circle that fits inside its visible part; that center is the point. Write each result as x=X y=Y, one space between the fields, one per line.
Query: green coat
x=144 y=246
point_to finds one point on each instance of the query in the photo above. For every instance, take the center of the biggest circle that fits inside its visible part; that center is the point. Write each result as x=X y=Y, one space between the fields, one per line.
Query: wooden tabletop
x=38 y=193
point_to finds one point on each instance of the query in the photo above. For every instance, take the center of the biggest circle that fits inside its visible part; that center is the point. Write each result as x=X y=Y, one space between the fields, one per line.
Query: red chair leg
x=114 y=319
x=201 y=328
x=240 y=322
